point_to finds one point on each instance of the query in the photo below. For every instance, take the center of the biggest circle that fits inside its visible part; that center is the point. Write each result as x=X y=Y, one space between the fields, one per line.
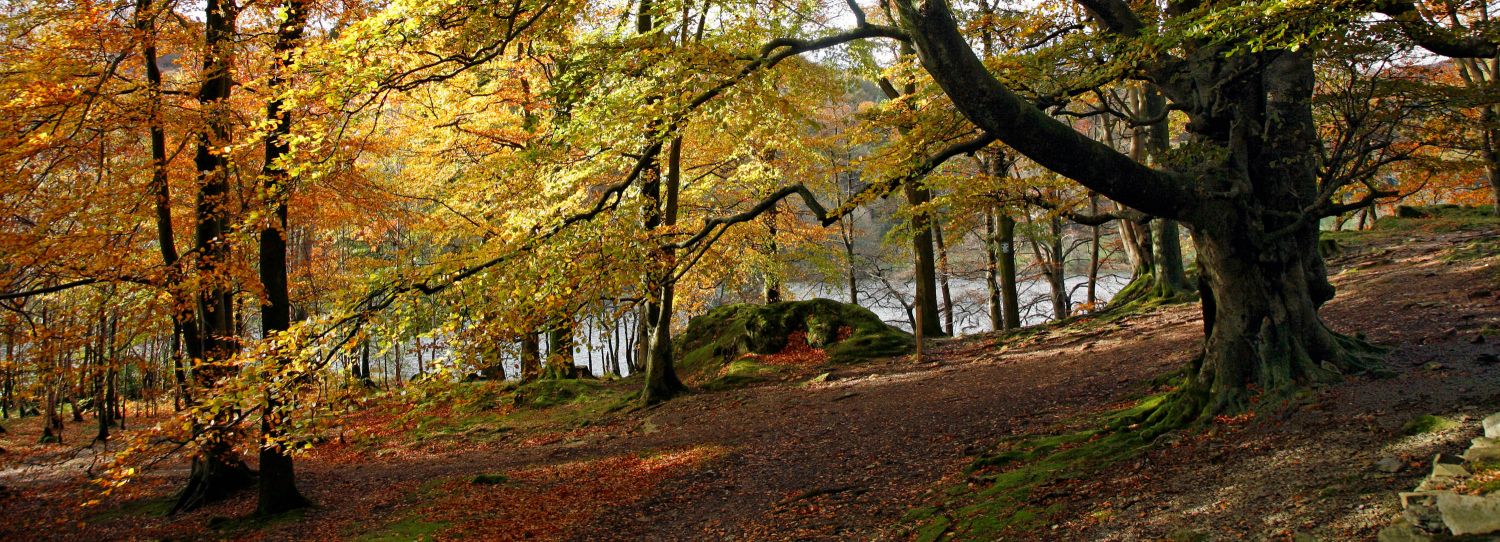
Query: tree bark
x=942 y=268
x=531 y=357
x=278 y=480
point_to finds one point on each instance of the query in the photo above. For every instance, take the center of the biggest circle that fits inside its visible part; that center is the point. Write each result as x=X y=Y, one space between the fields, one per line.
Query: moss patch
x=740 y=373
x=997 y=498
x=847 y=333
x=406 y=530
x=1427 y=423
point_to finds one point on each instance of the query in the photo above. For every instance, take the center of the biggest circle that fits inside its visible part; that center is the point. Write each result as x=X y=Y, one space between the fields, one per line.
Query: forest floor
x=878 y=450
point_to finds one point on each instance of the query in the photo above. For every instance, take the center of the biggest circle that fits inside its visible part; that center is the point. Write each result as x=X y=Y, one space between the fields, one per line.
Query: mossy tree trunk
x=1251 y=196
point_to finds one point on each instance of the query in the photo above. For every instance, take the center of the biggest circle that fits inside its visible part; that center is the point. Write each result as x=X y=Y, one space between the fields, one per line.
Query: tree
x=278 y=481
x=1262 y=279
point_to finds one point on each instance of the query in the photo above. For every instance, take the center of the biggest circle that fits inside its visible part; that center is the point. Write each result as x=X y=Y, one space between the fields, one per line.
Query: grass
x=150 y=508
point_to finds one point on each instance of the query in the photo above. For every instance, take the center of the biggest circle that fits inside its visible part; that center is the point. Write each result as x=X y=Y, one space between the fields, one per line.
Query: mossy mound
x=847 y=333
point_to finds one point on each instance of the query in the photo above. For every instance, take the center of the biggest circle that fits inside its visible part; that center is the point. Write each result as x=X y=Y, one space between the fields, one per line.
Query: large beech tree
x=1249 y=190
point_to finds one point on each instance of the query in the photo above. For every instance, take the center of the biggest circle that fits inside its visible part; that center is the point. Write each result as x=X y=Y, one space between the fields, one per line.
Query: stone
x=1492 y=426
x=1389 y=464
x=1469 y=514
x=1420 y=510
x=1486 y=450
x=1435 y=366
x=1448 y=470
x=1400 y=531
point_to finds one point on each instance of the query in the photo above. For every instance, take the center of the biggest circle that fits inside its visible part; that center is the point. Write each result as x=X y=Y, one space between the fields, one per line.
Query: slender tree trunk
x=560 y=352
x=1062 y=303
x=1093 y=284
x=942 y=268
x=924 y=272
x=662 y=382
x=772 y=279
x=992 y=271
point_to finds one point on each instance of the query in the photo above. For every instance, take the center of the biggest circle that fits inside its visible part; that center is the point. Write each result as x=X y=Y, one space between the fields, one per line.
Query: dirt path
x=846 y=458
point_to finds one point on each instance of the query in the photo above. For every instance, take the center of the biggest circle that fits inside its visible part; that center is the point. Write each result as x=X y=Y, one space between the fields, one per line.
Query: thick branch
x=1016 y=122
x=1429 y=36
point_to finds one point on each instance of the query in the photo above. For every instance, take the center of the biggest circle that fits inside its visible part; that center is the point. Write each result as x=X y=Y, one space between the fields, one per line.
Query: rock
x=1421 y=512
x=1448 y=470
x=1390 y=464
x=1434 y=366
x=1486 y=358
x=1400 y=531
x=1469 y=514
x=1492 y=426
x=1483 y=450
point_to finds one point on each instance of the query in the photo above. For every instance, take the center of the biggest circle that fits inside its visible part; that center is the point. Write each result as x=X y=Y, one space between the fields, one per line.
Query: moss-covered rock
x=847 y=333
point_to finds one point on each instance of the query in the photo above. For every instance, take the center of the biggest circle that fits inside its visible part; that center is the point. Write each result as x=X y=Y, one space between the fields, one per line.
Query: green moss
x=547 y=393
x=932 y=530
x=729 y=332
x=740 y=373
x=406 y=530
x=139 y=508
x=1437 y=218
x=240 y=525
x=997 y=498
x=490 y=479
x=1427 y=423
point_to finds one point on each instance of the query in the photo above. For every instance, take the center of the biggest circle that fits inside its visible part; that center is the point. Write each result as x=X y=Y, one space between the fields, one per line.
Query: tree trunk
x=661 y=376
x=1010 y=294
x=217 y=471
x=531 y=357
x=278 y=479
x=560 y=352
x=942 y=268
x=1093 y=284
x=992 y=271
x=1263 y=280
x=924 y=269
x=771 y=277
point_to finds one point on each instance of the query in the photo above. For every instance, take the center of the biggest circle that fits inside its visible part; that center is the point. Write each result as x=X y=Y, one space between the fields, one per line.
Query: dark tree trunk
x=278 y=479
x=531 y=357
x=560 y=352
x=772 y=279
x=217 y=471
x=662 y=382
x=1010 y=294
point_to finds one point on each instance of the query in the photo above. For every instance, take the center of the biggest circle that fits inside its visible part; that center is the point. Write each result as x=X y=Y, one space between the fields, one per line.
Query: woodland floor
x=849 y=457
